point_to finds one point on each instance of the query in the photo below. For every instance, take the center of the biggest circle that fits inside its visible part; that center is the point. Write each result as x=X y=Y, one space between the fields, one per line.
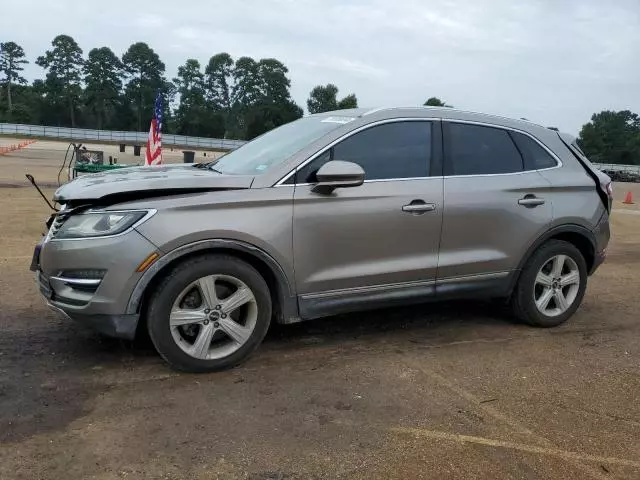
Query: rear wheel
x=209 y=313
x=551 y=286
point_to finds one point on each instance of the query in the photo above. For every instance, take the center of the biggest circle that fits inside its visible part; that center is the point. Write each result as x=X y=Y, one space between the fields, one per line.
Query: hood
x=141 y=182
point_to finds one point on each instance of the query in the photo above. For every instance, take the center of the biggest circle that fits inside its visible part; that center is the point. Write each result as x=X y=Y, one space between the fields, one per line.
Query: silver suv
x=332 y=213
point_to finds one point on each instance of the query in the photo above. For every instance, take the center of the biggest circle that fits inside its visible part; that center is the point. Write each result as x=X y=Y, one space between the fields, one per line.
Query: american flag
x=153 y=155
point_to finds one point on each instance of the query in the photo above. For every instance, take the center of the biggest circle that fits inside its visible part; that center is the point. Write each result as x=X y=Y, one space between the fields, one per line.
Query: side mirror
x=338 y=174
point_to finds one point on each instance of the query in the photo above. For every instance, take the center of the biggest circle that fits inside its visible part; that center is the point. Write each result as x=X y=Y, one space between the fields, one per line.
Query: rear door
x=384 y=233
x=495 y=206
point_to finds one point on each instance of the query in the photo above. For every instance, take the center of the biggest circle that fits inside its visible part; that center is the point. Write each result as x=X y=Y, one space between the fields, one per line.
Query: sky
x=554 y=62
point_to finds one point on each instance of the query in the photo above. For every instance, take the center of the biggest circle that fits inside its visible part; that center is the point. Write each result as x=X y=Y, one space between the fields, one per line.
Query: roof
x=438 y=112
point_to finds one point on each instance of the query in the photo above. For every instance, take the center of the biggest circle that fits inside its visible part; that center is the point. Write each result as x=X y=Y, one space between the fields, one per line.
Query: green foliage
x=103 y=72
x=436 y=102
x=249 y=97
x=350 y=101
x=145 y=72
x=218 y=74
x=240 y=98
x=612 y=137
x=11 y=61
x=64 y=76
x=231 y=98
x=194 y=116
x=324 y=98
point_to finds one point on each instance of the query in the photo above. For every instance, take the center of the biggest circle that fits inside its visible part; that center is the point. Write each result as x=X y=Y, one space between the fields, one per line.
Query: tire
x=219 y=342
x=530 y=287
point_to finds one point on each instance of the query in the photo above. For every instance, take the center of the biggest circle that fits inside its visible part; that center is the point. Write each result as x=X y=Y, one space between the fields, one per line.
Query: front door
x=382 y=237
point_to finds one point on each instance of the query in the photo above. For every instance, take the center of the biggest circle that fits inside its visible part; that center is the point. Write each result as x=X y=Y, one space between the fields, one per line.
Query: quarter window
x=391 y=150
x=479 y=150
x=535 y=157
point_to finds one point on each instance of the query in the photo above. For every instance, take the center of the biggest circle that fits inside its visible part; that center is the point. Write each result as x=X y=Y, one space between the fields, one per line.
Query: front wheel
x=551 y=286
x=210 y=313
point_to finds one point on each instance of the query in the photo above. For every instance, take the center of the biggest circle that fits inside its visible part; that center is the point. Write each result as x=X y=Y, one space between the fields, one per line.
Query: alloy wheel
x=556 y=286
x=213 y=317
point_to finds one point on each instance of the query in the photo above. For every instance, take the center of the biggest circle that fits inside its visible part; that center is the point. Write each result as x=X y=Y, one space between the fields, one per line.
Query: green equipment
x=90 y=161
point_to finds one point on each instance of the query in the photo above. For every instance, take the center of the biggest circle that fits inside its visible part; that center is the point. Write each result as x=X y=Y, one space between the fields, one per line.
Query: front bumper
x=101 y=304
x=117 y=326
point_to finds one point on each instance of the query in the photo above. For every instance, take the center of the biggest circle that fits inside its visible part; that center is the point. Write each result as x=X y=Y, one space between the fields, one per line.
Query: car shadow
x=54 y=367
x=452 y=319
x=76 y=347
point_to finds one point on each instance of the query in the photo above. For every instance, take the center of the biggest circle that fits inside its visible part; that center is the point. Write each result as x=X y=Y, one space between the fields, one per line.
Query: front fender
x=284 y=287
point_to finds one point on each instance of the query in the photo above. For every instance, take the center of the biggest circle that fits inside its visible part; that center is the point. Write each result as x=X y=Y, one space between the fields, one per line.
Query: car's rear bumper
x=602 y=234
x=598 y=260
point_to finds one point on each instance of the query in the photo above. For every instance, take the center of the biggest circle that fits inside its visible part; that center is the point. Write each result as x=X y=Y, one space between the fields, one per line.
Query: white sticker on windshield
x=261 y=167
x=338 y=120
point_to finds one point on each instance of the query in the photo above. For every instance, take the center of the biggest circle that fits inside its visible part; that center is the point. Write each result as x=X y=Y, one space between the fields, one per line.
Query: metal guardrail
x=614 y=167
x=112 y=136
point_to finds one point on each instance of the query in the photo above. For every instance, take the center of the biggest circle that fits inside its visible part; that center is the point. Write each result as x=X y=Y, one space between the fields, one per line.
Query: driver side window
x=388 y=151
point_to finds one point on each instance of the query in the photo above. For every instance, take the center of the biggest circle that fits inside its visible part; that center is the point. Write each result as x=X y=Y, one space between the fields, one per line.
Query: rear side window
x=479 y=150
x=388 y=151
x=535 y=156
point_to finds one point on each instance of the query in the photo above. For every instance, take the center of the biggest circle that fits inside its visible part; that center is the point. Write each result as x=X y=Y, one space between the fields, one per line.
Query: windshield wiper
x=207 y=165
x=201 y=165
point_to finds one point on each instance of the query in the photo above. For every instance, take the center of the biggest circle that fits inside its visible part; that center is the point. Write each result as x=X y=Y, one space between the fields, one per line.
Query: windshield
x=277 y=145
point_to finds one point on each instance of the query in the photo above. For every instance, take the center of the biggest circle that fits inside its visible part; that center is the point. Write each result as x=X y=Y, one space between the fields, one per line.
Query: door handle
x=419 y=207
x=531 y=201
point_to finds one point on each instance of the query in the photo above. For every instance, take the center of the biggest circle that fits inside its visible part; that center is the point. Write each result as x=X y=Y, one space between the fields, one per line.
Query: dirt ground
x=44 y=160
x=443 y=391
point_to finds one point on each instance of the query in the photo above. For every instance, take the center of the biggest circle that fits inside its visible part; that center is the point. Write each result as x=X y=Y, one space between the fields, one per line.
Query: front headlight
x=100 y=224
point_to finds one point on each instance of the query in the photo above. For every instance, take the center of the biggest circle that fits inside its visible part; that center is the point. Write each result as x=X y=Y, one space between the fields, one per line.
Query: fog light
x=147 y=261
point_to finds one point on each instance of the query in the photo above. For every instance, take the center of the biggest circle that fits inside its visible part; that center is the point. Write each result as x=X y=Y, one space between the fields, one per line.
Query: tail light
x=609 y=189
x=607 y=186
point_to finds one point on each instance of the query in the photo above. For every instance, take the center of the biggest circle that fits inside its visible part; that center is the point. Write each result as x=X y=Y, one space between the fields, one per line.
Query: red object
x=628 y=198
x=153 y=154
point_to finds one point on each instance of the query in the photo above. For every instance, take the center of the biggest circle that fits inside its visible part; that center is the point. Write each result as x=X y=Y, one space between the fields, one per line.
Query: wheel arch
x=580 y=237
x=282 y=294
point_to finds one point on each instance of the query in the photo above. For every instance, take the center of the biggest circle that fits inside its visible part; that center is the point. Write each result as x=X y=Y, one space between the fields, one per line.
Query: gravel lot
x=452 y=390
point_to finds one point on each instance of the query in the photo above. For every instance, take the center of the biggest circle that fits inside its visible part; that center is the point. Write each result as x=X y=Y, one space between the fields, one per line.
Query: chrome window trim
x=403 y=179
x=280 y=183
x=559 y=163
x=150 y=213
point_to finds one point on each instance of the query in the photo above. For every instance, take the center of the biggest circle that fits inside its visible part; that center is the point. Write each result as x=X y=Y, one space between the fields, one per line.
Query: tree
x=350 y=101
x=218 y=77
x=324 y=98
x=273 y=83
x=64 y=64
x=265 y=116
x=192 y=117
x=145 y=70
x=436 y=102
x=249 y=96
x=245 y=90
x=612 y=137
x=262 y=100
x=103 y=77
x=11 y=61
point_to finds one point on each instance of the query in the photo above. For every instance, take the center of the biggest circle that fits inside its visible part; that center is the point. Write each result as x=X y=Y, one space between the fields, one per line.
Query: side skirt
x=323 y=304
